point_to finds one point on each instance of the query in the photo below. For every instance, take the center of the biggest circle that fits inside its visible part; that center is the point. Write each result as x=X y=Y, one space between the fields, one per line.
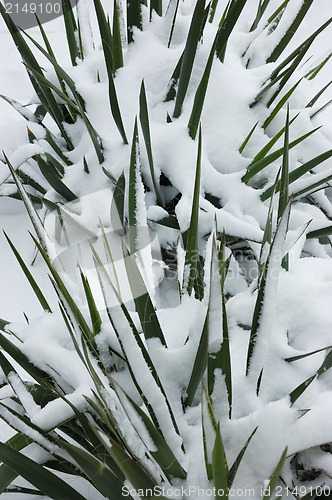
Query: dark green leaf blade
x=189 y=56
x=194 y=280
x=45 y=481
x=219 y=467
x=30 y=278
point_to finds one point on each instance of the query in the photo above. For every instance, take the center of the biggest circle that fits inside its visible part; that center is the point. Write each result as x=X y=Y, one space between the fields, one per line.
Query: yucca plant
x=174 y=191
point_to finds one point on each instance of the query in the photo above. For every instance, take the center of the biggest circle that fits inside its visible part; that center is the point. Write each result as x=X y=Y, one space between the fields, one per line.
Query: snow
x=297 y=314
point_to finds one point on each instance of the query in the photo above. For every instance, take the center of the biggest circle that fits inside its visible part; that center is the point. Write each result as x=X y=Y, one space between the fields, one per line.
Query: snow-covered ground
x=14 y=82
x=310 y=280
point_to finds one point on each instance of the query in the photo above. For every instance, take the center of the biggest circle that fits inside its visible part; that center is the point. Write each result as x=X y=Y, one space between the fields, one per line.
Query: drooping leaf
x=96 y=140
x=260 y=11
x=43 y=92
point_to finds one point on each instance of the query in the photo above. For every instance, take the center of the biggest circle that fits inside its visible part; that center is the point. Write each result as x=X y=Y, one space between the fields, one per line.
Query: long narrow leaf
x=135 y=183
x=284 y=181
x=247 y=139
x=280 y=104
x=144 y=119
x=68 y=297
x=201 y=92
x=219 y=467
x=209 y=428
x=144 y=306
x=163 y=455
x=7 y=475
x=134 y=18
x=199 y=366
x=290 y=32
x=275 y=477
x=53 y=178
x=156 y=6
x=116 y=39
x=35 y=474
x=189 y=56
x=263 y=152
x=94 y=313
x=102 y=478
x=264 y=282
x=219 y=351
x=233 y=470
x=320 y=233
x=39 y=294
x=44 y=93
x=192 y=262
x=96 y=140
x=300 y=171
x=259 y=165
x=227 y=27
x=34 y=217
x=71 y=31
x=317 y=96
